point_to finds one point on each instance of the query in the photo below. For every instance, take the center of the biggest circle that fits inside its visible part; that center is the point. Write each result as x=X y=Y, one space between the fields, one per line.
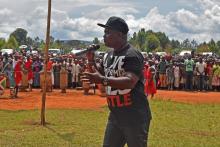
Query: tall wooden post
x=45 y=65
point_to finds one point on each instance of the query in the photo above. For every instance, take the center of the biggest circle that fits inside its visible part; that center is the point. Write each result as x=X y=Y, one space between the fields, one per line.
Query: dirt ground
x=75 y=99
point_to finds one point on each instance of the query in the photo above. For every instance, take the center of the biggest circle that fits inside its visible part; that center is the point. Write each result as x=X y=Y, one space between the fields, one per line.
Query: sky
x=77 y=19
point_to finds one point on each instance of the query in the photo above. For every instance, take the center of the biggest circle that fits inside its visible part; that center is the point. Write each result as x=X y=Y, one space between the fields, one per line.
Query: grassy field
x=173 y=125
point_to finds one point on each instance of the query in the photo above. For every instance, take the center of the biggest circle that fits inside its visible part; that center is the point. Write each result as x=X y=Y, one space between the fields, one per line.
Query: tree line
x=144 y=40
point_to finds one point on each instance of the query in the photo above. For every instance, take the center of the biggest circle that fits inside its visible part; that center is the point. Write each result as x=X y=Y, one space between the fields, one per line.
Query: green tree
x=186 y=44
x=175 y=44
x=164 y=40
x=218 y=46
x=194 y=44
x=96 y=40
x=29 y=41
x=52 y=39
x=203 y=47
x=133 y=40
x=152 y=42
x=2 y=43
x=141 y=39
x=12 y=43
x=103 y=47
x=36 y=42
x=42 y=45
x=213 y=47
x=20 y=35
x=56 y=44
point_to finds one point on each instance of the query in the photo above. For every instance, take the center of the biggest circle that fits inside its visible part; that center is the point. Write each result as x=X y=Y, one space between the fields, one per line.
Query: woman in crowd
x=150 y=83
x=37 y=67
x=170 y=76
x=216 y=76
x=176 y=75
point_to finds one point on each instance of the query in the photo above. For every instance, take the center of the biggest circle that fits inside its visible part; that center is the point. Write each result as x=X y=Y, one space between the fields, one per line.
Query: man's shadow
x=67 y=136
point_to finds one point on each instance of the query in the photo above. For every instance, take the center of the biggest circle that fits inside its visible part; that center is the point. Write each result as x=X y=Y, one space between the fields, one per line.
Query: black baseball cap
x=117 y=24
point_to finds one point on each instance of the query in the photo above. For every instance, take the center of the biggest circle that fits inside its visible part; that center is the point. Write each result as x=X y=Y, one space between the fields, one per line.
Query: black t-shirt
x=127 y=106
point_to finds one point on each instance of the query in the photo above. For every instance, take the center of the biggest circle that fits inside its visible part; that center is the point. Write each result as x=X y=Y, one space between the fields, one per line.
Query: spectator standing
x=28 y=67
x=70 y=74
x=162 y=72
x=216 y=76
x=37 y=67
x=176 y=75
x=150 y=83
x=76 y=71
x=18 y=75
x=56 y=72
x=209 y=73
x=200 y=69
x=189 y=66
x=170 y=76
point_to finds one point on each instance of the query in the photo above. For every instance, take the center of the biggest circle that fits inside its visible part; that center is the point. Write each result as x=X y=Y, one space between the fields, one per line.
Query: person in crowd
x=162 y=72
x=216 y=76
x=18 y=75
x=1 y=64
x=182 y=76
x=150 y=83
x=170 y=76
x=69 y=68
x=28 y=66
x=56 y=72
x=9 y=72
x=76 y=73
x=50 y=69
x=209 y=74
x=200 y=69
x=189 y=66
x=176 y=72
x=37 y=67
x=122 y=74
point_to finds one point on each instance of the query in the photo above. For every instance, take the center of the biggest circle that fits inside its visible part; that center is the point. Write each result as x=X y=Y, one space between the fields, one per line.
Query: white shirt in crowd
x=200 y=68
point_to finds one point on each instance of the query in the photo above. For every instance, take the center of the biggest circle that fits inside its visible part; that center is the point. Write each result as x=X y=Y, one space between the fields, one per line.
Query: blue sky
x=77 y=19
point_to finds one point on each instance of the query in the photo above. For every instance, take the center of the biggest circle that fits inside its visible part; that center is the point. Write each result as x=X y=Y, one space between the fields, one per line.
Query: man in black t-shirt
x=122 y=75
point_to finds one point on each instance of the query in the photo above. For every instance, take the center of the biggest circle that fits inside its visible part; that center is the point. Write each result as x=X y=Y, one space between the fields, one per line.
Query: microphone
x=92 y=47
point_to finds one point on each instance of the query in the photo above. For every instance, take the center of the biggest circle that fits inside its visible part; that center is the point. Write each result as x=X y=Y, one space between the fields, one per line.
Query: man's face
x=200 y=60
x=111 y=37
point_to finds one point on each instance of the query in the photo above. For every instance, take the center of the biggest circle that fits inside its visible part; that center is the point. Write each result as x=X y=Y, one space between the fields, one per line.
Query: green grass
x=173 y=125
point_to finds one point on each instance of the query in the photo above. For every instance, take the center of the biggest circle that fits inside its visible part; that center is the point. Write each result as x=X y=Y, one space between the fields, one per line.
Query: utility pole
x=43 y=102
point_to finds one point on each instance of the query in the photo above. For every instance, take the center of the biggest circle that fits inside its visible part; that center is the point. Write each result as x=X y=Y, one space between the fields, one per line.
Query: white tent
x=23 y=46
x=182 y=53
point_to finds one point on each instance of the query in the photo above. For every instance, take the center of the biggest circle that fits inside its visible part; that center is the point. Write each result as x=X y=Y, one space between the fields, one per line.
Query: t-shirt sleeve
x=134 y=65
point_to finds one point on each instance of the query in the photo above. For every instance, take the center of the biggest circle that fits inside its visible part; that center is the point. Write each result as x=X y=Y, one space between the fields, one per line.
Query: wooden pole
x=45 y=65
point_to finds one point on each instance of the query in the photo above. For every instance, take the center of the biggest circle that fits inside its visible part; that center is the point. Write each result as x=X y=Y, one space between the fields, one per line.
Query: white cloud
x=207 y=4
x=77 y=19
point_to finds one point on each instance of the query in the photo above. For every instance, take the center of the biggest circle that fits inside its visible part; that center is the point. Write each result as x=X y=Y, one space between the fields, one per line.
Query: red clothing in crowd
x=150 y=87
x=18 y=74
x=209 y=69
x=28 y=66
x=49 y=65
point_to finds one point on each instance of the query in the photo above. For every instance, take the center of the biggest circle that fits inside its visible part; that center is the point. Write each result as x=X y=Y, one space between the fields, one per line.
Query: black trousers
x=201 y=82
x=189 y=78
x=118 y=135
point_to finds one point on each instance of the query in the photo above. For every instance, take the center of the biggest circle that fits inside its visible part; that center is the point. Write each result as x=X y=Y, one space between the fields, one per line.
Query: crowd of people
x=123 y=71
x=189 y=72
x=120 y=72
x=13 y=66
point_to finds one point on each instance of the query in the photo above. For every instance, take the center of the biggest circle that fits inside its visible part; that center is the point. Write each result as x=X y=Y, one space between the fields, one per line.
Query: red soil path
x=75 y=99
